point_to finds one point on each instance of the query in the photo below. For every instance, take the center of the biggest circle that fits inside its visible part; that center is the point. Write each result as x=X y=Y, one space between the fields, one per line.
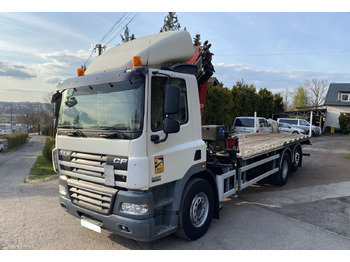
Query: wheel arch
x=192 y=173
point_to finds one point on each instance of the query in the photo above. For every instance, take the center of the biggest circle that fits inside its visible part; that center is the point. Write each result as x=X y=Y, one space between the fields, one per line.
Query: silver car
x=287 y=128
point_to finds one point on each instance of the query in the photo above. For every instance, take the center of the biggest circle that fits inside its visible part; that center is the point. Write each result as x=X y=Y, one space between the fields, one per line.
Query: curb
x=53 y=177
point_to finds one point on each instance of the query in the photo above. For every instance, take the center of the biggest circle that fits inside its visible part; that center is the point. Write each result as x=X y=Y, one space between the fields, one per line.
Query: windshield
x=108 y=106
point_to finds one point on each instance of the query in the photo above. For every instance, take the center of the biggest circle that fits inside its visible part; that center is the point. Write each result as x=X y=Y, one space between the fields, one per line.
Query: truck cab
x=127 y=142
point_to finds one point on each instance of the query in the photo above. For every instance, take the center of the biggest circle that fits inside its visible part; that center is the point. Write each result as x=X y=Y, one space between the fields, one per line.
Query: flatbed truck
x=132 y=155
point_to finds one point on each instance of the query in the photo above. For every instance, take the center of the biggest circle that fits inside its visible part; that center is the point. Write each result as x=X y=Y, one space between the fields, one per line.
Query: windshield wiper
x=76 y=132
x=114 y=134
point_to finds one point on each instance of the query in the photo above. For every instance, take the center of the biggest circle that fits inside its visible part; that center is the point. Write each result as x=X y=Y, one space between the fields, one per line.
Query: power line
x=291 y=54
x=112 y=28
x=109 y=32
x=123 y=28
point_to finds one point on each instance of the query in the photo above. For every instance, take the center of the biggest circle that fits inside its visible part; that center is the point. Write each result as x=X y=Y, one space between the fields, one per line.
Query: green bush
x=16 y=139
x=344 y=122
x=48 y=147
x=47 y=130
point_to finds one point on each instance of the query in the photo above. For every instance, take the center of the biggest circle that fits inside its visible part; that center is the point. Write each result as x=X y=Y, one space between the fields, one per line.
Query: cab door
x=169 y=160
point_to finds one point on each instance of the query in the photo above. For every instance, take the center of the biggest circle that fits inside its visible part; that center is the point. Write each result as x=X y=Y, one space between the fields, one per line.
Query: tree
x=286 y=95
x=127 y=37
x=278 y=104
x=217 y=109
x=197 y=40
x=300 y=97
x=171 y=23
x=265 y=103
x=317 y=90
x=249 y=98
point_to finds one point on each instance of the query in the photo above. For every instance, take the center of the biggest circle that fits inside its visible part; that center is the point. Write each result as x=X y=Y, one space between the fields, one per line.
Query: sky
x=274 y=48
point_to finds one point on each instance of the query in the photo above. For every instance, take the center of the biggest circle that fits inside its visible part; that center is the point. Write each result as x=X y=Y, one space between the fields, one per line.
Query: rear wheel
x=280 y=178
x=297 y=158
x=197 y=209
x=295 y=133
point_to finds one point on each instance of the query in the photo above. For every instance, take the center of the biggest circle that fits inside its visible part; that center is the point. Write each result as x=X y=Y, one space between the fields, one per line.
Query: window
x=304 y=123
x=263 y=123
x=344 y=97
x=244 y=122
x=289 y=121
x=157 y=99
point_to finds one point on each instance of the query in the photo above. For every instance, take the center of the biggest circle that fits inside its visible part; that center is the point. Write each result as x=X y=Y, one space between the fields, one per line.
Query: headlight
x=135 y=209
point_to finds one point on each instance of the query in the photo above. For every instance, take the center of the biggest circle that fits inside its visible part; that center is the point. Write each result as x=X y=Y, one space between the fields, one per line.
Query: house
x=337 y=102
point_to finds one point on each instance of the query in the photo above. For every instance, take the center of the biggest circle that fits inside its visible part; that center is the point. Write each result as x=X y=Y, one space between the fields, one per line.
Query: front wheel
x=197 y=209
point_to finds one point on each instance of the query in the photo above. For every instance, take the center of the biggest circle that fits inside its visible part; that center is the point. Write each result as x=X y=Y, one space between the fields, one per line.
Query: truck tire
x=197 y=209
x=280 y=178
x=297 y=158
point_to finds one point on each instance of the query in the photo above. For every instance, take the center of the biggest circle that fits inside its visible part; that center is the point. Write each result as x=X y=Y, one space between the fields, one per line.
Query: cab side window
x=158 y=84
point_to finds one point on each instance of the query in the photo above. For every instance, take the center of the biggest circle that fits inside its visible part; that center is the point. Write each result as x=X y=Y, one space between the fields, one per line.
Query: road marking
x=300 y=195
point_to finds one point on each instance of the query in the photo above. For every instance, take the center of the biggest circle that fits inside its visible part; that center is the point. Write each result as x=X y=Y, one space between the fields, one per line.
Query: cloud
x=53 y=80
x=274 y=80
x=66 y=57
x=14 y=71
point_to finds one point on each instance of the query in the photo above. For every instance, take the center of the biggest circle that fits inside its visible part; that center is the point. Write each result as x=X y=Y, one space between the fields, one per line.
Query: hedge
x=344 y=122
x=15 y=139
x=48 y=147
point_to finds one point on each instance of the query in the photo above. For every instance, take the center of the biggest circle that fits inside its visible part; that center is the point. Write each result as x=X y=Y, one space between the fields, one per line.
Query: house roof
x=332 y=97
x=214 y=81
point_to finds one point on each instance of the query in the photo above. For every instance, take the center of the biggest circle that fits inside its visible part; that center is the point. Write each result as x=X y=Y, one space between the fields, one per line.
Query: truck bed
x=256 y=144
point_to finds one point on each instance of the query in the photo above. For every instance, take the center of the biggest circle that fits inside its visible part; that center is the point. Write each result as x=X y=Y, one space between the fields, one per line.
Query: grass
x=347 y=157
x=41 y=169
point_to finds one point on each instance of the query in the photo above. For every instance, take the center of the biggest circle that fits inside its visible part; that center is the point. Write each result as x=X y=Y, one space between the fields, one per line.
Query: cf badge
x=158 y=164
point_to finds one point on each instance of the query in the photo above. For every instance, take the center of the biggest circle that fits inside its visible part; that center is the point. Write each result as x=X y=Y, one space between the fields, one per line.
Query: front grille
x=94 y=197
x=89 y=167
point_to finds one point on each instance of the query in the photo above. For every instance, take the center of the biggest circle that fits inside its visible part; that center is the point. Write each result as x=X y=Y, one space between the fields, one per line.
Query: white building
x=337 y=102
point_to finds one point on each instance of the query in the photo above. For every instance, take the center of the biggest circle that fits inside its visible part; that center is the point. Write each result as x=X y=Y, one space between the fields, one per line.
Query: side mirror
x=56 y=100
x=171 y=99
x=171 y=106
x=171 y=126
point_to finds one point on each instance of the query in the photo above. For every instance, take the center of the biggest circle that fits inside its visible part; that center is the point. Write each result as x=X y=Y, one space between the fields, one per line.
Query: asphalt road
x=310 y=212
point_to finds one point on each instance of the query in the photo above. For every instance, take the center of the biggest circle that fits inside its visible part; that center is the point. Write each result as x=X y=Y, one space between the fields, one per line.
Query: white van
x=245 y=124
x=301 y=123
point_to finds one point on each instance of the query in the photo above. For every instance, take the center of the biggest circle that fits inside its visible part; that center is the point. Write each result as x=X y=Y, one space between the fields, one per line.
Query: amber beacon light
x=136 y=61
x=80 y=71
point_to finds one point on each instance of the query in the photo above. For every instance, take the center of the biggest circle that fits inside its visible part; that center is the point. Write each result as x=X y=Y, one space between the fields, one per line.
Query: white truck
x=132 y=155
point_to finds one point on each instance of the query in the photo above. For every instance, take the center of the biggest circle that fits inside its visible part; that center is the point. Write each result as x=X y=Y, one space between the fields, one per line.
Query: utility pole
x=11 y=120
x=100 y=48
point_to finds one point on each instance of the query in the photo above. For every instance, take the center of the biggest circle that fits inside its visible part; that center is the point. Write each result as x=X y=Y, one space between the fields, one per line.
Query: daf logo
x=117 y=160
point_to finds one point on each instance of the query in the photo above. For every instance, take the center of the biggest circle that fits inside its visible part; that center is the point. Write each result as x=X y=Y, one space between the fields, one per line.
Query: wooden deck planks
x=254 y=145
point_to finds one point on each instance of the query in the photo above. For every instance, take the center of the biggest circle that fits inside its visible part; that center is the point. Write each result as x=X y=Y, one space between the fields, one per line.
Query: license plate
x=90 y=226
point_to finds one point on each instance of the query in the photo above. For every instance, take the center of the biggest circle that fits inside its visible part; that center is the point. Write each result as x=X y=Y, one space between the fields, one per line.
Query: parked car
x=301 y=123
x=245 y=124
x=287 y=128
x=3 y=145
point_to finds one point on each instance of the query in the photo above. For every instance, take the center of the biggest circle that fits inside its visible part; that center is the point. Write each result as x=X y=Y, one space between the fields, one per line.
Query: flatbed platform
x=252 y=145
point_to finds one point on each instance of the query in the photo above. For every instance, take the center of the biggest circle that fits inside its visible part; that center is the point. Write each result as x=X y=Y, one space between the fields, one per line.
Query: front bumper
x=130 y=228
x=143 y=228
